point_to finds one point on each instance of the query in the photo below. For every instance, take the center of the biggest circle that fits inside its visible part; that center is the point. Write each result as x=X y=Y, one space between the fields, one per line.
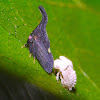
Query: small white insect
x=66 y=72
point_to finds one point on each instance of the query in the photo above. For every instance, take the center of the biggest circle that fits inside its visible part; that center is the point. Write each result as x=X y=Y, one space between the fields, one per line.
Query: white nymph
x=66 y=72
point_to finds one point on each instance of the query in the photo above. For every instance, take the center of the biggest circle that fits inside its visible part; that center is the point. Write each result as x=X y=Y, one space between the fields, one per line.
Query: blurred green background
x=74 y=31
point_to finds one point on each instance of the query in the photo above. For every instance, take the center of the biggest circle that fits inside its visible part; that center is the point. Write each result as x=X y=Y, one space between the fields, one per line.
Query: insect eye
x=30 y=37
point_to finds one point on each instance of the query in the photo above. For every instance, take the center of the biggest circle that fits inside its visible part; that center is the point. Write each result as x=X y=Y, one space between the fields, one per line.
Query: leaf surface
x=74 y=31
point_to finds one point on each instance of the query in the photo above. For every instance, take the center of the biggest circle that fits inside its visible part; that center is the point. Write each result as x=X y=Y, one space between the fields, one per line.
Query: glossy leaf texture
x=74 y=31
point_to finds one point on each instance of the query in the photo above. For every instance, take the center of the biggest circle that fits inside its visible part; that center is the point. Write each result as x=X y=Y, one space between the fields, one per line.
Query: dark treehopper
x=39 y=45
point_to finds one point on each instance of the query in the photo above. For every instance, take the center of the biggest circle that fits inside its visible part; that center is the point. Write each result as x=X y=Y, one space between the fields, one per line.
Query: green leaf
x=74 y=31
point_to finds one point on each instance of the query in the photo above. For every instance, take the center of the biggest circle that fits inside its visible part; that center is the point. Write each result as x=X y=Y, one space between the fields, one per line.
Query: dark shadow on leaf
x=73 y=90
x=14 y=89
